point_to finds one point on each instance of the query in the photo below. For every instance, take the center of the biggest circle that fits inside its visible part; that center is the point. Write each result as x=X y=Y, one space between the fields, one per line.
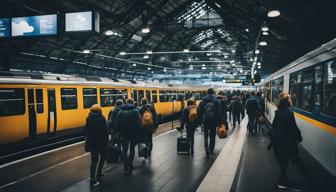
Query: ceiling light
x=219 y=67
x=258 y=63
x=263 y=43
x=186 y=50
x=257 y=51
x=265 y=33
x=217 y=5
x=152 y=72
x=108 y=32
x=264 y=28
x=122 y=53
x=146 y=57
x=149 y=52
x=208 y=54
x=203 y=68
x=134 y=64
x=233 y=64
x=164 y=69
x=247 y=30
x=86 y=51
x=145 y=30
x=225 y=56
x=191 y=68
x=232 y=61
x=273 y=13
x=233 y=51
x=190 y=65
x=203 y=65
x=149 y=68
x=259 y=67
x=251 y=59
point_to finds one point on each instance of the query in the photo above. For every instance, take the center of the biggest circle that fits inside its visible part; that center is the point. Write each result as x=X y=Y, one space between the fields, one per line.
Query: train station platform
x=240 y=163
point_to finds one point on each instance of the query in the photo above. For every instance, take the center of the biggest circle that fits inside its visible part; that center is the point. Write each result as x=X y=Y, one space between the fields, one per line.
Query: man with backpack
x=252 y=110
x=209 y=110
x=113 y=115
x=128 y=123
x=190 y=119
x=149 y=123
x=236 y=108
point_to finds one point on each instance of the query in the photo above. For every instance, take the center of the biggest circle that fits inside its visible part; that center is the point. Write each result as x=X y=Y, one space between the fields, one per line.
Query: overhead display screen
x=34 y=25
x=5 y=27
x=80 y=21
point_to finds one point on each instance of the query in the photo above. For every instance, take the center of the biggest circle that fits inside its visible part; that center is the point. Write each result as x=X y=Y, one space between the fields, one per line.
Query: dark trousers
x=190 y=136
x=236 y=117
x=97 y=154
x=252 y=126
x=128 y=142
x=212 y=129
x=299 y=165
x=149 y=141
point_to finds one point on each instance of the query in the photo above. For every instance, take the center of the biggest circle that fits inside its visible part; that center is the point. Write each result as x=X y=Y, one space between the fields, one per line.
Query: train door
x=31 y=114
x=52 y=123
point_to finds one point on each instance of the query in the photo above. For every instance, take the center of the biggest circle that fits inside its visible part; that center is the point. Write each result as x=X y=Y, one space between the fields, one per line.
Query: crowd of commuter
x=128 y=125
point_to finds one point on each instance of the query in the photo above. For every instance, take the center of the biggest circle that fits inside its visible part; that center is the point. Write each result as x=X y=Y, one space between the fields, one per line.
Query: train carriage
x=311 y=82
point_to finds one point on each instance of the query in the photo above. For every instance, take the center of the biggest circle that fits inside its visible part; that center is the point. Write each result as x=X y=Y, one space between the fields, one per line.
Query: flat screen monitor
x=79 y=21
x=34 y=25
x=5 y=27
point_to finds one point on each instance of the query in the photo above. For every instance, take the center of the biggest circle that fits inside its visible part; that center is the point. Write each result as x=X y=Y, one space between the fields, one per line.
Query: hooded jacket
x=95 y=131
x=128 y=121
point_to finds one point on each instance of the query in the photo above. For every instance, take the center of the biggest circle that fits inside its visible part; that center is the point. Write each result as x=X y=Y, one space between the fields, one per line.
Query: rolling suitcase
x=113 y=151
x=142 y=150
x=183 y=144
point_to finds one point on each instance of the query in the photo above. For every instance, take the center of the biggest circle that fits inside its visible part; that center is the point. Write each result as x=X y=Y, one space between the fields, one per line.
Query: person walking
x=224 y=108
x=96 y=139
x=149 y=124
x=285 y=138
x=113 y=115
x=209 y=110
x=252 y=110
x=128 y=123
x=237 y=109
x=260 y=116
x=189 y=120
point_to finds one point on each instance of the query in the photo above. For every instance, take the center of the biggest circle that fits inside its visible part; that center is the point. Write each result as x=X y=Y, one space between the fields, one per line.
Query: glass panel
x=108 y=97
x=135 y=95
x=318 y=87
x=89 y=97
x=148 y=97
x=277 y=88
x=39 y=100
x=140 y=96
x=154 y=96
x=164 y=97
x=329 y=90
x=307 y=89
x=69 y=98
x=12 y=101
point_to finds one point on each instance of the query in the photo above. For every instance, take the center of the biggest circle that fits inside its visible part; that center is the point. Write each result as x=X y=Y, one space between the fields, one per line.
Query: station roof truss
x=229 y=28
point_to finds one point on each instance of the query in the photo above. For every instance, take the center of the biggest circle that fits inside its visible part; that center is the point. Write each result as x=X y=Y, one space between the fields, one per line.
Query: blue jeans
x=128 y=141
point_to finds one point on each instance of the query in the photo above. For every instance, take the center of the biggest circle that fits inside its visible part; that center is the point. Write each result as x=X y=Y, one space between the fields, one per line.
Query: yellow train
x=40 y=106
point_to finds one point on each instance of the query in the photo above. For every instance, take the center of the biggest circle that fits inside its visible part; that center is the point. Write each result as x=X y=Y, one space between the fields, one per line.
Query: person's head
x=221 y=92
x=129 y=101
x=252 y=93
x=211 y=91
x=144 y=101
x=119 y=102
x=285 y=101
x=95 y=108
x=259 y=94
x=190 y=102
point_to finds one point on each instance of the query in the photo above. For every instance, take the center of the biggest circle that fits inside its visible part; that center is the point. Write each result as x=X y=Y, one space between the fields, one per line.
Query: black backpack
x=209 y=112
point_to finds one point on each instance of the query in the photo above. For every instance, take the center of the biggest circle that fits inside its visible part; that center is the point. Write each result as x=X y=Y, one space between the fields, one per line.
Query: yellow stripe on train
x=325 y=127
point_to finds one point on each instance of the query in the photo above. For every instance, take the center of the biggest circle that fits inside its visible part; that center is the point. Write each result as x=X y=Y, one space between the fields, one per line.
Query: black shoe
x=94 y=183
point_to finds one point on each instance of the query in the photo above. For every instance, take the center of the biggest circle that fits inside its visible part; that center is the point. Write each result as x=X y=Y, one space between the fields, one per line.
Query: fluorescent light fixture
x=233 y=64
x=265 y=33
x=146 y=57
x=217 y=5
x=247 y=30
x=86 y=51
x=233 y=51
x=203 y=68
x=225 y=56
x=263 y=43
x=257 y=51
x=164 y=69
x=190 y=66
x=149 y=52
x=273 y=13
x=232 y=61
x=122 y=53
x=152 y=72
x=186 y=50
x=258 y=63
x=108 y=32
x=259 y=66
x=251 y=59
x=145 y=30
x=264 y=28
x=219 y=67
x=149 y=68
x=203 y=65
x=208 y=54
x=134 y=64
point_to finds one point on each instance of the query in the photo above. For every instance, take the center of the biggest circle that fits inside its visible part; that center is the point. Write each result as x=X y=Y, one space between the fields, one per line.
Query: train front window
x=12 y=101
x=329 y=90
x=69 y=98
x=89 y=97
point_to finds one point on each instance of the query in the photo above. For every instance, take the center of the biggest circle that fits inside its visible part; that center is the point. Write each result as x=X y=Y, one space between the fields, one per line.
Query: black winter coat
x=224 y=108
x=112 y=118
x=252 y=106
x=217 y=103
x=128 y=121
x=95 y=131
x=287 y=135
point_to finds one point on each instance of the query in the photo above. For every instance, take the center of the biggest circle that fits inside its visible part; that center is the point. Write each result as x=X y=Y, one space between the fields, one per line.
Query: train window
x=140 y=96
x=108 y=97
x=318 y=87
x=164 y=97
x=148 y=97
x=172 y=96
x=12 y=101
x=69 y=98
x=135 y=95
x=188 y=95
x=329 y=89
x=180 y=96
x=89 y=97
x=277 y=88
x=154 y=96
x=39 y=100
x=307 y=89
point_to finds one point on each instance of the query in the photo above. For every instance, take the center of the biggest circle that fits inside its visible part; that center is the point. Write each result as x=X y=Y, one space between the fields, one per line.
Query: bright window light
x=273 y=13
